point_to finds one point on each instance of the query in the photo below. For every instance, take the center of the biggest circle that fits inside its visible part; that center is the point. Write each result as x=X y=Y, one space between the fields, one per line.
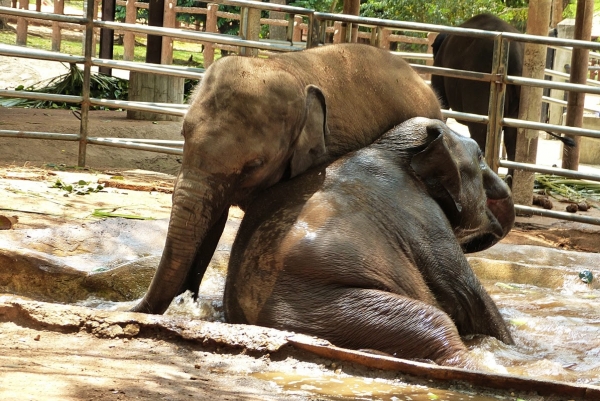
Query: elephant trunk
x=504 y=211
x=500 y=202
x=198 y=203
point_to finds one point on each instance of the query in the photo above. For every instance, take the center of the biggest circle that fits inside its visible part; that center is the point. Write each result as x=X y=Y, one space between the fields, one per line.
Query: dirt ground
x=109 y=124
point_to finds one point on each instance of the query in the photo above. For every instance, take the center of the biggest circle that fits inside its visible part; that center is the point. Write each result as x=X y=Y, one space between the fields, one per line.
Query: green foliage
x=570 y=10
x=142 y=13
x=71 y=83
x=324 y=6
x=441 y=12
x=79 y=188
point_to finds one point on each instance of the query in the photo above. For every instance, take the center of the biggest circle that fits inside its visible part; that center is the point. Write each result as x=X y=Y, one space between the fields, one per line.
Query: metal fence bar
x=542 y=83
x=125 y=143
x=183 y=72
x=41 y=96
x=564 y=103
x=143 y=140
x=448 y=72
x=198 y=36
x=566 y=76
x=25 y=52
x=142 y=106
x=38 y=135
x=476 y=118
x=17 y=12
x=528 y=210
x=550 y=170
x=557 y=129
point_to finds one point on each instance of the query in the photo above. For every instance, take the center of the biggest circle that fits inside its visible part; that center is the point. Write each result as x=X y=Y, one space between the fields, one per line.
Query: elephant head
x=476 y=201
x=267 y=138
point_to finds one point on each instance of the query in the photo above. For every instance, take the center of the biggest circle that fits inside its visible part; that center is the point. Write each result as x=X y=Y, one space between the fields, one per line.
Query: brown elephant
x=254 y=122
x=367 y=252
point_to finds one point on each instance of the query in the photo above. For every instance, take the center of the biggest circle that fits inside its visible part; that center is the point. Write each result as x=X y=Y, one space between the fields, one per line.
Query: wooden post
x=169 y=21
x=277 y=32
x=430 y=39
x=211 y=26
x=156 y=10
x=383 y=38
x=38 y=5
x=22 y=25
x=59 y=8
x=297 y=36
x=249 y=29
x=557 y=11
x=337 y=32
x=351 y=7
x=129 y=37
x=534 y=63
x=562 y=58
x=107 y=36
x=149 y=87
x=579 y=74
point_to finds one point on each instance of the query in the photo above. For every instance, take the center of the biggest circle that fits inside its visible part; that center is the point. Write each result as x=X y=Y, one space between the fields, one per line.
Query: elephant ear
x=310 y=144
x=439 y=168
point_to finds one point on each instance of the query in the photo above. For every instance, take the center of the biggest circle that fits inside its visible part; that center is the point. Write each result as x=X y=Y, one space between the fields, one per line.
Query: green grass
x=181 y=53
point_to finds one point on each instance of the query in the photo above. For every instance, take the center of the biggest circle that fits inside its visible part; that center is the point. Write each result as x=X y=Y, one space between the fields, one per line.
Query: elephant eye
x=481 y=160
x=252 y=165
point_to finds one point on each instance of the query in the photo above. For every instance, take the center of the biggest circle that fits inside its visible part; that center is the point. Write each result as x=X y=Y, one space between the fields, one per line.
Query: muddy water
x=556 y=331
x=554 y=318
x=359 y=388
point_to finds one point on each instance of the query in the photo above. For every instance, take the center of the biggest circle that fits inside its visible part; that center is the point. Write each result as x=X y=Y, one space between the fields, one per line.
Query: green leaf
x=102 y=212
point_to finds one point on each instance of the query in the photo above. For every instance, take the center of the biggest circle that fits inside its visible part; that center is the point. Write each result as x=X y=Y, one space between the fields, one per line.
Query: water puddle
x=556 y=331
x=345 y=387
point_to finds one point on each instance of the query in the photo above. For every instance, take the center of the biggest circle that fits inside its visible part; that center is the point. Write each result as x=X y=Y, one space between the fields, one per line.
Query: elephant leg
x=370 y=319
x=203 y=256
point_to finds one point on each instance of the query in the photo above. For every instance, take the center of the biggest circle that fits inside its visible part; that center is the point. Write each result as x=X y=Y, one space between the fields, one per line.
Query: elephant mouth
x=480 y=242
x=496 y=227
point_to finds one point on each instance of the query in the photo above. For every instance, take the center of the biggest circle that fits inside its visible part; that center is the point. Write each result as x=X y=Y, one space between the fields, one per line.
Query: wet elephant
x=254 y=122
x=367 y=252
x=469 y=96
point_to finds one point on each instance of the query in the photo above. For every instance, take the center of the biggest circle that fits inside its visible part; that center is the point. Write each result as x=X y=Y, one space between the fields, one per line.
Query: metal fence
x=316 y=32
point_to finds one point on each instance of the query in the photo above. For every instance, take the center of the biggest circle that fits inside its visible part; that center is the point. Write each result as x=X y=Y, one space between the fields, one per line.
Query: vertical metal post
x=496 y=102
x=87 y=72
x=534 y=64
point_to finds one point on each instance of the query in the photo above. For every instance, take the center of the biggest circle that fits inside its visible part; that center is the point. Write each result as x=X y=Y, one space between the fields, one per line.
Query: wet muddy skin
x=103 y=265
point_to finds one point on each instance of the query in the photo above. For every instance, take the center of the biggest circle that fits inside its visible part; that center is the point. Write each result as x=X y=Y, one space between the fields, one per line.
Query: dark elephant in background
x=255 y=122
x=367 y=252
x=469 y=96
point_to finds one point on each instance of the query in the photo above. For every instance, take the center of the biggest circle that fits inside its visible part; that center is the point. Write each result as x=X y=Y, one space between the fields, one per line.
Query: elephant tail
x=564 y=139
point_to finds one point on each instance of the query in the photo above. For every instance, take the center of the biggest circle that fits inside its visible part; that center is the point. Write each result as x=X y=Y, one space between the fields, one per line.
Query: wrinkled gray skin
x=368 y=251
x=255 y=122
x=475 y=54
